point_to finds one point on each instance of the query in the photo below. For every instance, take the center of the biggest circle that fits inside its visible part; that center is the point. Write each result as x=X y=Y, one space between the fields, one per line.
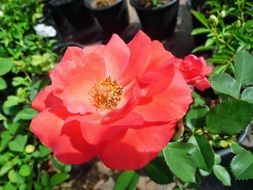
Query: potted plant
x=112 y=15
x=158 y=17
x=72 y=11
x=132 y=103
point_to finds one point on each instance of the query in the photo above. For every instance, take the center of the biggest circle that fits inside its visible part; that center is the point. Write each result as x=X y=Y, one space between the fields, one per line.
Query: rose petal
x=73 y=82
x=45 y=98
x=95 y=132
x=134 y=148
x=170 y=105
x=68 y=147
x=202 y=84
x=140 y=51
x=116 y=56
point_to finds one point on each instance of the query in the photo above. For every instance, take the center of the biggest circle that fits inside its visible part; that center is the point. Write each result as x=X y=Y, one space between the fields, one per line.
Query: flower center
x=106 y=94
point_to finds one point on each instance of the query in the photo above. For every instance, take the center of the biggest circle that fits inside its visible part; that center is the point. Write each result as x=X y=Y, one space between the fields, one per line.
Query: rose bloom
x=119 y=102
x=195 y=70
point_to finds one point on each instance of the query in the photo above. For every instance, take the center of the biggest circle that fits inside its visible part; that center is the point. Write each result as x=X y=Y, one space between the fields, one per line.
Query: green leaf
x=25 y=170
x=242 y=165
x=200 y=17
x=5 y=65
x=58 y=178
x=202 y=48
x=126 y=181
x=197 y=31
x=18 y=144
x=195 y=117
x=43 y=151
x=198 y=100
x=14 y=177
x=25 y=114
x=45 y=178
x=159 y=172
x=219 y=69
x=222 y=174
x=8 y=165
x=247 y=95
x=60 y=166
x=203 y=154
x=175 y=155
x=244 y=67
x=10 y=186
x=6 y=137
x=3 y=84
x=225 y=84
x=229 y=118
x=237 y=149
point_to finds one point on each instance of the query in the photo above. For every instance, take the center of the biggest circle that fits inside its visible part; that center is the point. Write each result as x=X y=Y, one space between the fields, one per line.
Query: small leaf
x=229 y=118
x=225 y=84
x=247 y=95
x=244 y=67
x=203 y=154
x=5 y=65
x=14 y=177
x=222 y=174
x=237 y=149
x=25 y=114
x=3 y=84
x=195 y=118
x=175 y=155
x=242 y=165
x=159 y=172
x=18 y=144
x=200 y=17
x=44 y=151
x=25 y=170
x=45 y=178
x=197 y=31
x=126 y=181
x=58 y=178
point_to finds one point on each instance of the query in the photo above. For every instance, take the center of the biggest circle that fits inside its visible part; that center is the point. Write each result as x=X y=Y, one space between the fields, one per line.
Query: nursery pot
x=113 y=18
x=158 y=22
x=73 y=11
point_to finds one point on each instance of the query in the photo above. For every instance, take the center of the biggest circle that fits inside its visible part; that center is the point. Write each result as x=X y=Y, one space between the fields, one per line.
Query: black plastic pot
x=212 y=183
x=73 y=11
x=157 y=22
x=113 y=18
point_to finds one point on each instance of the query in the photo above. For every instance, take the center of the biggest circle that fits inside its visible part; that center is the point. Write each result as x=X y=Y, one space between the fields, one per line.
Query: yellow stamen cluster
x=106 y=94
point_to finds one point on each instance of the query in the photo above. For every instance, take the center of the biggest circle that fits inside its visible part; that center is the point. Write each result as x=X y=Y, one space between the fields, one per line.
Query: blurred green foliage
x=25 y=59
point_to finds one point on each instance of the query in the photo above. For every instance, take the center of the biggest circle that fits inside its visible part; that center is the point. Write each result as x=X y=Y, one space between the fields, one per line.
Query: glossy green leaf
x=197 y=31
x=222 y=174
x=6 y=137
x=195 y=118
x=159 y=172
x=247 y=95
x=14 y=177
x=58 y=178
x=177 y=154
x=244 y=67
x=44 y=151
x=3 y=84
x=25 y=170
x=44 y=178
x=237 y=149
x=242 y=165
x=225 y=84
x=18 y=144
x=203 y=154
x=200 y=17
x=229 y=117
x=126 y=181
x=10 y=186
x=25 y=114
x=5 y=65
